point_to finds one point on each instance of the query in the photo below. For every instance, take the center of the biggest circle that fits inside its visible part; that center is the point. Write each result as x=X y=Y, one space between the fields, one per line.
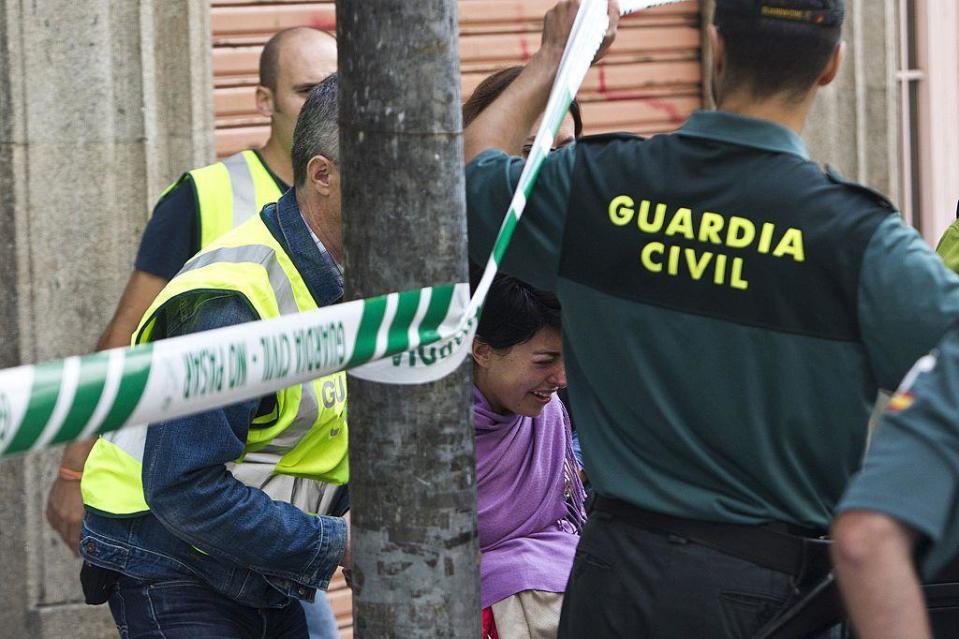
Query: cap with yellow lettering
x=824 y=13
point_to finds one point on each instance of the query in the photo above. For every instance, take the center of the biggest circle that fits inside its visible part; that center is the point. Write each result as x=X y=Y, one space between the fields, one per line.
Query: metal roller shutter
x=649 y=83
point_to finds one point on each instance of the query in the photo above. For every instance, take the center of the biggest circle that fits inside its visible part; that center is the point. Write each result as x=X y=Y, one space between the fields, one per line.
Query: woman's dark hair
x=491 y=88
x=514 y=311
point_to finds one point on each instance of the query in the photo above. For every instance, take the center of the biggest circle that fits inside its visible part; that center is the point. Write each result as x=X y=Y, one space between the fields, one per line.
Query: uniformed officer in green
x=228 y=519
x=904 y=504
x=729 y=313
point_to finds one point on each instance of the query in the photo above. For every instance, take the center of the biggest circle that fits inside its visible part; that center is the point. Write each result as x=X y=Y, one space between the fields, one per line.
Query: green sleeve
x=948 y=248
x=911 y=471
x=533 y=254
x=907 y=300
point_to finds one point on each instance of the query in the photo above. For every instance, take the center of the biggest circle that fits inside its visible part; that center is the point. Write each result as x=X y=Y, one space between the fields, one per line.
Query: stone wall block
x=103 y=103
x=853 y=125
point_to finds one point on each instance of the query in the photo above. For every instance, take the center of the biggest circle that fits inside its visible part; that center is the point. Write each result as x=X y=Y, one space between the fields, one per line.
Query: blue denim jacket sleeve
x=195 y=497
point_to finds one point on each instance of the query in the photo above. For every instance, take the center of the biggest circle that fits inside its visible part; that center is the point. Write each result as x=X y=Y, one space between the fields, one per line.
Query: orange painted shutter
x=649 y=83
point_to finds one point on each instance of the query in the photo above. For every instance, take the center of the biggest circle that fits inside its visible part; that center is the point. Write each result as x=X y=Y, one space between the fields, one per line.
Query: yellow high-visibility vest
x=230 y=192
x=296 y=453
x=948 y=248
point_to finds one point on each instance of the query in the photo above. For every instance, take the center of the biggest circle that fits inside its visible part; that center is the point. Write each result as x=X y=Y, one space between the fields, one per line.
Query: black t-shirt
x=172 y=235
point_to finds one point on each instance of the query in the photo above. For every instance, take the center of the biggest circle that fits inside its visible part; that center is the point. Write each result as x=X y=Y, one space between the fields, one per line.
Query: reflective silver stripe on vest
x=255 y=254
x=257 y=469
x=130 y=440
x=309 y=495
x=286 y=303
x=305 y=417
x=244 y=191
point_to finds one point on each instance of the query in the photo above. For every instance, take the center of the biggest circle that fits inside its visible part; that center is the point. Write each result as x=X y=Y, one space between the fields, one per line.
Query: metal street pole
x=415 y=548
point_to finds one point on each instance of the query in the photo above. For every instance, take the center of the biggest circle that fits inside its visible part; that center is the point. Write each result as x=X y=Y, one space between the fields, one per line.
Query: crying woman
x=529 y=491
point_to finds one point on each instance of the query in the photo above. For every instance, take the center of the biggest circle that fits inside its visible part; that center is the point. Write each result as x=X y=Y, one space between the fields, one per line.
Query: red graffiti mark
x=524 y=48
x=323 y=23
x=670 y=109
x=673 y=113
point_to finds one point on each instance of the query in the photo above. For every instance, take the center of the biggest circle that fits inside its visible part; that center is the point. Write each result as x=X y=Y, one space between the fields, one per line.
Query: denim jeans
x=630 y=582
x=188 y=609
x=320 y=619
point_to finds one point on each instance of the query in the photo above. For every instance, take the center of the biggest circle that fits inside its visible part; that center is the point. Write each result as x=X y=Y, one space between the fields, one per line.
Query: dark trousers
x=190 y=610
x=629 y=582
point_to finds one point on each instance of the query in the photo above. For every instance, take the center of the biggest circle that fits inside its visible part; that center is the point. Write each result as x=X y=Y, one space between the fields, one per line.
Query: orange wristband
x=69 y=474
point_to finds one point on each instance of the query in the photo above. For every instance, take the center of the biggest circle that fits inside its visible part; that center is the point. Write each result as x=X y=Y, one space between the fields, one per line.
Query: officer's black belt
x=773 y=546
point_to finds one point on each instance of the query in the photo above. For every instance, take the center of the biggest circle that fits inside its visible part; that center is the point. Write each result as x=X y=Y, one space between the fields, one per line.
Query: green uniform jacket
x=912 y=470
x=729 y=312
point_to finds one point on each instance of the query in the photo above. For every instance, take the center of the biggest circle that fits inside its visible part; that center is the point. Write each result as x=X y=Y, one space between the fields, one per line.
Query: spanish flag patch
x=899 y=401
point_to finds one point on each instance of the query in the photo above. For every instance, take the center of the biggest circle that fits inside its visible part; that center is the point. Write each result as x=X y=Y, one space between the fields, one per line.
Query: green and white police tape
x=401 y=338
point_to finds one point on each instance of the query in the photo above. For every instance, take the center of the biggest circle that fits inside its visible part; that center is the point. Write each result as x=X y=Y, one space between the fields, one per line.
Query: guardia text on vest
x=711 y=229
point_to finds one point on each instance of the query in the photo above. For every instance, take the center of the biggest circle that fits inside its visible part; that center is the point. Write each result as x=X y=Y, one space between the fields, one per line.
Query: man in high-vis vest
x=195 y=210
x=200 y=206
x=229 y=519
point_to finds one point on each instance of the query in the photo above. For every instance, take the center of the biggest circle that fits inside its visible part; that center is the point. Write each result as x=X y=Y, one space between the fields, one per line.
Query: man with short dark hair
x=729 y=312
x=229 y=519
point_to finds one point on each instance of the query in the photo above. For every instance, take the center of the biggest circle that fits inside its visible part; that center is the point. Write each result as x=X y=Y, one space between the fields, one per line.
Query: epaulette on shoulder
x=601 y=138
x=873 y=195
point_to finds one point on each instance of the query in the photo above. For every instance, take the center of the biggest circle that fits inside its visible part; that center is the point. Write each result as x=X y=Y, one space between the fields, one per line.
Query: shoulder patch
x=873 y=195
x=602 y=138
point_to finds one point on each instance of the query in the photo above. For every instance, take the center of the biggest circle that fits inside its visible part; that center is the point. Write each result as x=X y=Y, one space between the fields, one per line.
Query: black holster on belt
x=822 y=607
x=97 y=583
x=812 y=612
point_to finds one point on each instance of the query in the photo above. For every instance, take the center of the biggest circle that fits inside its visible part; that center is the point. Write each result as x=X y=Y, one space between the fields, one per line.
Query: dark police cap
x=825 y=13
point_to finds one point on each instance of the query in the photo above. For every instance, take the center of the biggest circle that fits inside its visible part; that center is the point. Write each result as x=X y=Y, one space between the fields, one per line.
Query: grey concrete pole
x=412 y=463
